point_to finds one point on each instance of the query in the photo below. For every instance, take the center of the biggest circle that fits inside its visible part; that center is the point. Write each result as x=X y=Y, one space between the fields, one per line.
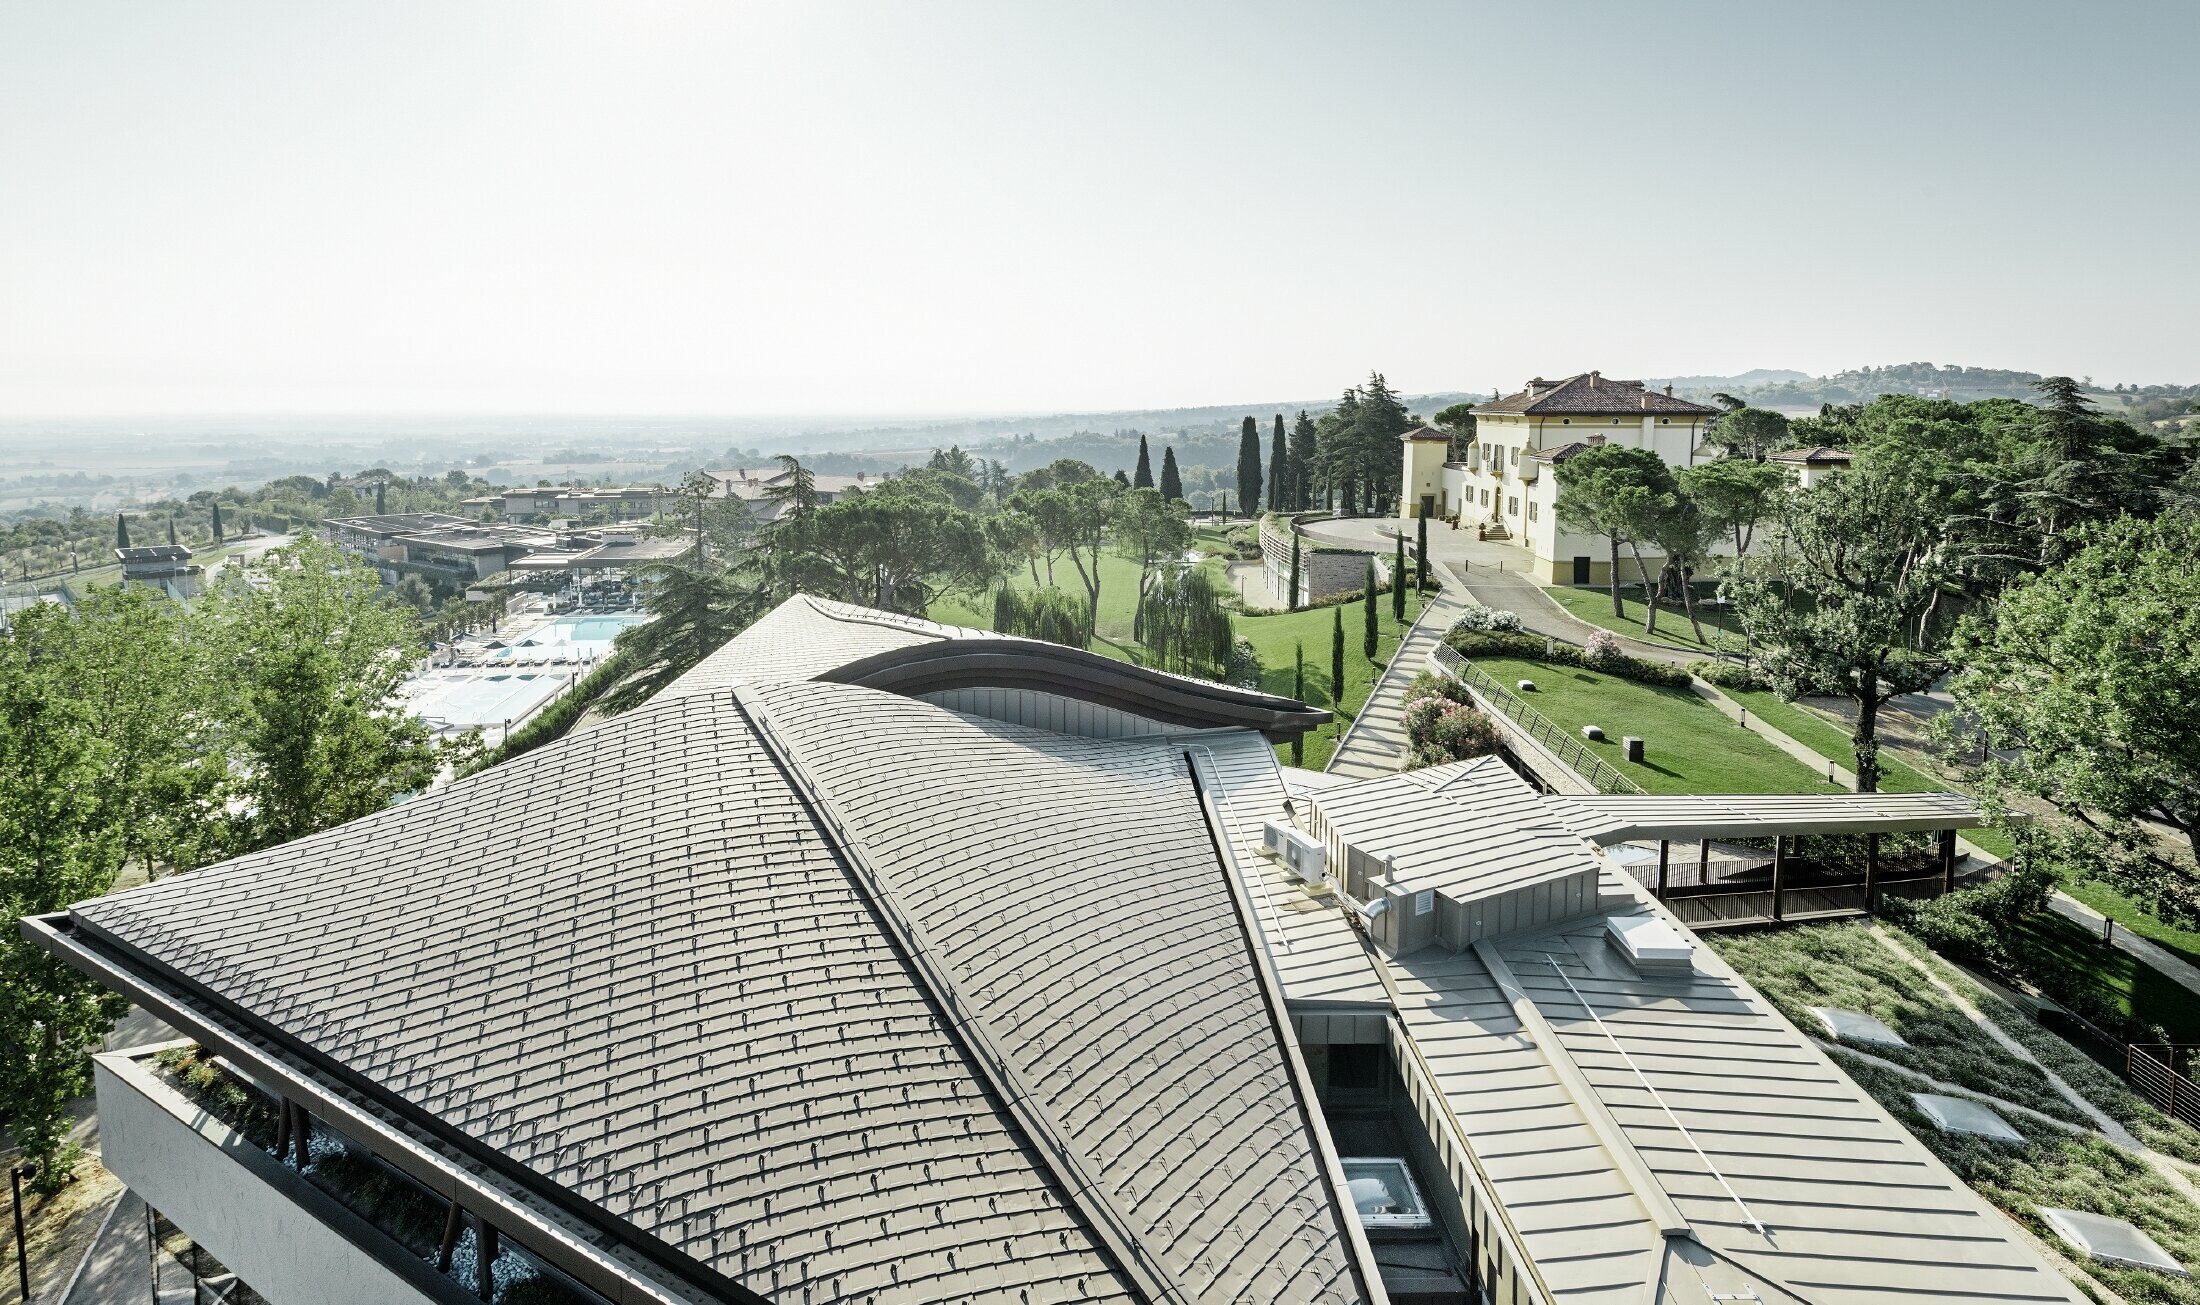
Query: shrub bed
x=1471 y=644
x=1444 y=724
x=1729 y=675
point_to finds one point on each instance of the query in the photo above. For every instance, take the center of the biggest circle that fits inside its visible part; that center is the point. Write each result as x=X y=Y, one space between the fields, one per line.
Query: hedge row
x=1471 y=644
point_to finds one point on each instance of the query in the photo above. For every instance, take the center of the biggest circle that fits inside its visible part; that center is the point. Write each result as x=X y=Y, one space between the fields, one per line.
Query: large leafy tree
x=1734 y=495
x=1750 y=433
x=696 y=603
x=898 y=548
x=1614 y=491
x=1458 y=422
x=1073 y=521
x=2086 y=682
x=62 y=839
x=1845 y=603
x=1152 y=531
x=1248 y=468
x=304 y=664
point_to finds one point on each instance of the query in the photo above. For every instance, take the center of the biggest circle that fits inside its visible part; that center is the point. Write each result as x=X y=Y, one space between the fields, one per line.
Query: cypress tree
x=1298 y=691
x=1143 y=477
x=1291 y=596
x=1172 y=485
x=1304 y=442
x=379 y=501
x=1420 y=556
x=1398 y=584
x=1336 y=659
x=1278 y=468
x=217 y=525
x=1248 y=485
x=122 y=532
x=1367 y=604
x=171 y=532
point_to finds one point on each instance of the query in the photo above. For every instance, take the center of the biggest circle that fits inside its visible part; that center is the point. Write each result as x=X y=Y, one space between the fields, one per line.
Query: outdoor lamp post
x=16 y=1175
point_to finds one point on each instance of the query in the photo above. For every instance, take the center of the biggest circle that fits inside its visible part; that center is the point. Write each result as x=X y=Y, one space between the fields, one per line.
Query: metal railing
x=2148 y=1067
x=1535 y=724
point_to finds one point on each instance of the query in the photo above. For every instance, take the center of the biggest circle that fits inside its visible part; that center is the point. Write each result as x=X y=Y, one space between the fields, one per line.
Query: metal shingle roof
x=629 y=962
x=1070 y=887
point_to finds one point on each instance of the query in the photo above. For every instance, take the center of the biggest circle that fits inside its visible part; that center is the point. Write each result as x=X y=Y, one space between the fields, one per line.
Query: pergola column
x=1779 y=868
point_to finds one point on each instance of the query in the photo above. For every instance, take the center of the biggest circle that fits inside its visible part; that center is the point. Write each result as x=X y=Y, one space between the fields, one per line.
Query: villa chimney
x=1596 y=439
x=1594 y=379
x=1646 y=399
x=1669 y=390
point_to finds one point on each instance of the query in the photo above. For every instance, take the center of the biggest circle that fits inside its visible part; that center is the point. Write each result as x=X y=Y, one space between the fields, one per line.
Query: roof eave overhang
x=1067 y=672
x=582 y=1239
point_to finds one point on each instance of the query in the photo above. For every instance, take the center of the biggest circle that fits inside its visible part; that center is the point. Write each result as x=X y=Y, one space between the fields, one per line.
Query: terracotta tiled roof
x=1426 y=433
x=1821 y=456
x=1593 y=394
x=1559 y=454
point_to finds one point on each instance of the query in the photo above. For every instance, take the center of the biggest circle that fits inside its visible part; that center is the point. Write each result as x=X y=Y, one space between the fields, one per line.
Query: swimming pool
x=463 y=702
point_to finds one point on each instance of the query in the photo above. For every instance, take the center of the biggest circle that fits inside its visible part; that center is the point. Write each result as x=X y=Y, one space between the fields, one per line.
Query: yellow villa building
x=1505 y=488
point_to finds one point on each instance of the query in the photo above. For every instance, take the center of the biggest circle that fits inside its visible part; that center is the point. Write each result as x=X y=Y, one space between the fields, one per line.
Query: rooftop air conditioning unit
x=1302 y=855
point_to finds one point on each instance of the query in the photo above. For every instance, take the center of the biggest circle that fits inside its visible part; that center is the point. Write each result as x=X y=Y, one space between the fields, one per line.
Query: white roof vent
x=1651 y=945
x=2111 y=1241
x=1963 y=1115
x=1856 y=1026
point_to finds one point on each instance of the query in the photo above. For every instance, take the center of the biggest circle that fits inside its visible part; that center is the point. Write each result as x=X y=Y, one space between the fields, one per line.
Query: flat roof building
x=879 y=960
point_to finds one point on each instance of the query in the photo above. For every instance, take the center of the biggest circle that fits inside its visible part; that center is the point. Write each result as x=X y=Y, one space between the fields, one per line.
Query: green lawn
x=1688 y=746
x=2136 y=989
x=1272 y=637
x=1595 y=607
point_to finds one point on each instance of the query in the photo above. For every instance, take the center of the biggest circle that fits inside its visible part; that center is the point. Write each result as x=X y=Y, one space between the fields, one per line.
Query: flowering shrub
x=1443 y=724
x=1601 y=650
x=1478 y=618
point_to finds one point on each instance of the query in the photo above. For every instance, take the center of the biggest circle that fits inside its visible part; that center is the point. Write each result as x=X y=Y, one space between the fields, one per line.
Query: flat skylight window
x=2111 y=1241
x=1963 y=1115
x=1383 y=1192
x=1654 y=946
x=1856 y=1026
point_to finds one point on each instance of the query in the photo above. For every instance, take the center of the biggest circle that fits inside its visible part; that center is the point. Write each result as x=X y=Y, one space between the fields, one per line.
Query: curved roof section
x=808 y=638
x=630 y=965
x=1072 y=889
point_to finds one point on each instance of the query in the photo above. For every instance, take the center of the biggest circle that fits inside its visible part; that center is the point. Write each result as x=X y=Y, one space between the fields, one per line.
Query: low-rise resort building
x=876 y=960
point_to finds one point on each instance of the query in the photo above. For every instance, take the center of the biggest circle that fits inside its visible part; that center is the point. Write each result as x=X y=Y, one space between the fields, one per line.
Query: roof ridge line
x=1070 y=1170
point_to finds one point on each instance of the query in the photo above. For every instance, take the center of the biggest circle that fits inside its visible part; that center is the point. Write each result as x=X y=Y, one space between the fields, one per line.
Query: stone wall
x=1325 y=570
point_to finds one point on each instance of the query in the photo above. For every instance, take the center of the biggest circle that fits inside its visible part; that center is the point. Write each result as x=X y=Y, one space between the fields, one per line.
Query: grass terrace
x=1688 y=746
x=1594 y=605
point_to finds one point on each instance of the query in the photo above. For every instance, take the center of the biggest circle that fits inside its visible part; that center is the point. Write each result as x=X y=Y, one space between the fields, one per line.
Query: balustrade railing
x=1560 y=744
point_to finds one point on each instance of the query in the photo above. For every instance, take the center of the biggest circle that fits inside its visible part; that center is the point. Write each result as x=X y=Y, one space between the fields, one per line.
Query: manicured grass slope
x=1595 y=606
x=1688 y=746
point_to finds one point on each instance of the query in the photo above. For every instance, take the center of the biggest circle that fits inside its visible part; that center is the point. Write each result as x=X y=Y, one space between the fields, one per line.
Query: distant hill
x=1792 y=390
x=1756 y=376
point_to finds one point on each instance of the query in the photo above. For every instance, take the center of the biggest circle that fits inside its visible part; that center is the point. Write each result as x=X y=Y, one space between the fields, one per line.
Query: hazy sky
x=723 y=208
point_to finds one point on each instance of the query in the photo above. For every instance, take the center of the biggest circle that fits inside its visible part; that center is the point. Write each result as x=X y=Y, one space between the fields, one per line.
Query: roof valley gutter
x=427 y=1148
x=1072 y=1174
x=1271 y=991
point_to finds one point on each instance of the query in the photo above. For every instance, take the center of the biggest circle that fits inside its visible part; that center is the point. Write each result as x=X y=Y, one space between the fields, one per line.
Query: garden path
x=1375 y=744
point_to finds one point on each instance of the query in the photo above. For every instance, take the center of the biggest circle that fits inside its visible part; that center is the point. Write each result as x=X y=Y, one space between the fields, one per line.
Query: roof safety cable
x=1747 y=1217
x=1231 y=848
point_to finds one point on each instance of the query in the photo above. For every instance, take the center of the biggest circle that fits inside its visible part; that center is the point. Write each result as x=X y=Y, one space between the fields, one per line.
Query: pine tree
x=217 y=525
x=1121 y=479
x=122 y=532
x=1279 y=468
x=1336 y=660
x=1291 y=596
x=1172 y=485
x=1298 y=691
x=1367 y=604
x=1248 y=468
x=1420 y=556
x=1398 y=583
x=1143 y=477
